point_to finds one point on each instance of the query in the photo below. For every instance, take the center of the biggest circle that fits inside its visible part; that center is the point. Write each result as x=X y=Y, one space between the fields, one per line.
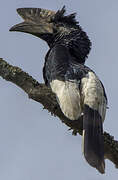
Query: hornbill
x=79 y=92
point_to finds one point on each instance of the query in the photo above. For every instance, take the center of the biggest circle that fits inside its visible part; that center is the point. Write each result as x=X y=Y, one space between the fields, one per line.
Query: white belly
x=68 y=96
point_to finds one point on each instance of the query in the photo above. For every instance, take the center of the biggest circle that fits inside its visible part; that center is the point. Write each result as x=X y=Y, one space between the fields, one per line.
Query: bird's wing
x=94 y=104
x=56 y=64
x=61 y=78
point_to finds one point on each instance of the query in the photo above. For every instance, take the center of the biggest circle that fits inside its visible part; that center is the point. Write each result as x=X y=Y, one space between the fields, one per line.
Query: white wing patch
x=69 y=98
x=93 y=94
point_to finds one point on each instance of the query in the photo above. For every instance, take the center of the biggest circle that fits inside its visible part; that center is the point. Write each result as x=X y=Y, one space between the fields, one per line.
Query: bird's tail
x=93 y=142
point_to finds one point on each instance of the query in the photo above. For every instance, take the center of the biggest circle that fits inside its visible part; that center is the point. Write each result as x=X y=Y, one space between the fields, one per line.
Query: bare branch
x=42 y=94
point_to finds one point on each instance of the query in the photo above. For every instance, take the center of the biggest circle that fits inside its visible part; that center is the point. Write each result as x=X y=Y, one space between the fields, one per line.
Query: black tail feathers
x=93 y=139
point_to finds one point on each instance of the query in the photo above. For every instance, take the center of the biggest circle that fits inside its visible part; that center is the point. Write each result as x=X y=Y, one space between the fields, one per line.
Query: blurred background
x=33 y=144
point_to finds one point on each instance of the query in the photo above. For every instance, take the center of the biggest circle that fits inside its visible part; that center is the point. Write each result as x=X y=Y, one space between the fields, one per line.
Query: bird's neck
x=76 y=41
x=66 y=38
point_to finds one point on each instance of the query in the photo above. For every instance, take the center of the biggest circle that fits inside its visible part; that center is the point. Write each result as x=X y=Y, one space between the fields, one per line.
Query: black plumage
x=79 y=91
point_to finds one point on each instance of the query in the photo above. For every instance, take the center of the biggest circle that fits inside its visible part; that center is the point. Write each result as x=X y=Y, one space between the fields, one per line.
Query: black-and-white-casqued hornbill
x=79 y=91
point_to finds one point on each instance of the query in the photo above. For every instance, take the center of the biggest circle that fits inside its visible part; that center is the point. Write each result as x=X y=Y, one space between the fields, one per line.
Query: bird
x=79 y=92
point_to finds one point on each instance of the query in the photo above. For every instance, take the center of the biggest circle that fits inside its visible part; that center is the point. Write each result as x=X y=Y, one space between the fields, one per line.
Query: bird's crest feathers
x=61 y=17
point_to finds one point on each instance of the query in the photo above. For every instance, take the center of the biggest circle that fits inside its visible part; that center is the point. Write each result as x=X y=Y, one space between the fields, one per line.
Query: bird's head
x=45 y=24
x=53 y=26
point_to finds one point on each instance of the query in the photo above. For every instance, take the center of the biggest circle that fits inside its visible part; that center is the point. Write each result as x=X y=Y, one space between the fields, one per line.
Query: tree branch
x=42 y=94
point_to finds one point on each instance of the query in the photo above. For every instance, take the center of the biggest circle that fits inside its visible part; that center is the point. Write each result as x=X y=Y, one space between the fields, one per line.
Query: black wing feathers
x=59 y=64
x=56 y=63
